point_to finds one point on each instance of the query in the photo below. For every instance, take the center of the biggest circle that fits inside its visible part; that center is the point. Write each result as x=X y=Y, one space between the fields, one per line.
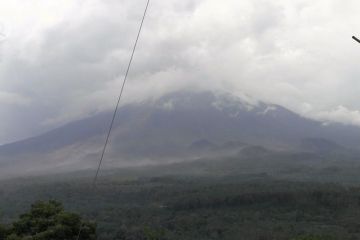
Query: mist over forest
x=235 y=120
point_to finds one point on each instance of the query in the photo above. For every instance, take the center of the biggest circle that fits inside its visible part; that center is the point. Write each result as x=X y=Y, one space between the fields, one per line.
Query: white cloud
x=13 y=99
x=339 y=114
x=67 y=58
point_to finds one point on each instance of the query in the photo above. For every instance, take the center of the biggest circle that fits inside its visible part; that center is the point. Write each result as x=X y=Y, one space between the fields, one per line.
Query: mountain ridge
x=164 y=129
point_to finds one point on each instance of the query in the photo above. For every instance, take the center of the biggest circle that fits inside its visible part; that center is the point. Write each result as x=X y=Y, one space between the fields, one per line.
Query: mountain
x=320 y=145
x=178 y=126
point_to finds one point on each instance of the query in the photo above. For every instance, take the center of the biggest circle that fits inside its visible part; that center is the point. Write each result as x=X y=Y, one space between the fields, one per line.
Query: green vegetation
x=256 y=198
x=48 y=220
x=314 y=237
x=251 y=207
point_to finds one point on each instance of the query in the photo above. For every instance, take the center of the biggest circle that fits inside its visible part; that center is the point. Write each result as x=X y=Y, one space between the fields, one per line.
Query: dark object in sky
x=356 y=39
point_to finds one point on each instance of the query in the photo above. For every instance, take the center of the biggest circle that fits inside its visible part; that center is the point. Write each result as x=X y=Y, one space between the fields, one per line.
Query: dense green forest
x=203 y=207
x=276 y=196
x=48 y=220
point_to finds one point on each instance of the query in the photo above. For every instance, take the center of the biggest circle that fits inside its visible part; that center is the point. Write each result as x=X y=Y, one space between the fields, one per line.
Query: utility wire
x=356 y=39
x=120 y=96
x=117 y=106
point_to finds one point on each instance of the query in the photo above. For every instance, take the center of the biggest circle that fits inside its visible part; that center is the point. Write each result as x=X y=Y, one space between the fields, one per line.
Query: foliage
x=48 y=220
x=314 y=237
x=3 y=232
x=185 y=208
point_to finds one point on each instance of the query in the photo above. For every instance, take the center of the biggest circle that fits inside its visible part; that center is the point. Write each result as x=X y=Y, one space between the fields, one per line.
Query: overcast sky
x=63 y=60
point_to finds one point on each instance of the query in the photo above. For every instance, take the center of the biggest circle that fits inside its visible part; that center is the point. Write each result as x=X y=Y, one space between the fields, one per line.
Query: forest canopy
x=48 y=220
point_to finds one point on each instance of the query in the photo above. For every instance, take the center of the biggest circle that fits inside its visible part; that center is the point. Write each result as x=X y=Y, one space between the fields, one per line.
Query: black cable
x=356 y=39
x=117 y=106
x=120 y=95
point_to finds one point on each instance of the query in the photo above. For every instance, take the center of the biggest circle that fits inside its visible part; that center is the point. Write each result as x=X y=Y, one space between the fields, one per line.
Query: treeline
x=48 y=220
x=179 y=208
x=306 y=200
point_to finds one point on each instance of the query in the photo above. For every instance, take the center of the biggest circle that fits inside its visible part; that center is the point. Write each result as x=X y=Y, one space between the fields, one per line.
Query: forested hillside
x=251 y=207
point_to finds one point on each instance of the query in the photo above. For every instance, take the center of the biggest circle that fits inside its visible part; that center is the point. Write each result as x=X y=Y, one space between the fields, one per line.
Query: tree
x=153 y=234
x=48 y=220
x=314 y=237
x=3 y=231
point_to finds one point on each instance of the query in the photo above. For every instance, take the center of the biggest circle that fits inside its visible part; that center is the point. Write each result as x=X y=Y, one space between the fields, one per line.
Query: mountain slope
x=181 y=125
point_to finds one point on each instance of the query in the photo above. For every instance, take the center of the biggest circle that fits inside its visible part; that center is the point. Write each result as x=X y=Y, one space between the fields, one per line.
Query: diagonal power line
x=120 y=96
x=356 y=39
x=117 y=105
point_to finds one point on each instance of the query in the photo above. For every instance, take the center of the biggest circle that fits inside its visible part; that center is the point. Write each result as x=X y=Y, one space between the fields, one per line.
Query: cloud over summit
x=61 y=61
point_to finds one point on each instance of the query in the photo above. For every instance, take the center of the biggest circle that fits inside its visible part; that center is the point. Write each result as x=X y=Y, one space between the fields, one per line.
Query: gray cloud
x=70 y=62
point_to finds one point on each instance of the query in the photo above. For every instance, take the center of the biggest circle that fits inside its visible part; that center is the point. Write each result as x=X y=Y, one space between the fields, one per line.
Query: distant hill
x=178 y=126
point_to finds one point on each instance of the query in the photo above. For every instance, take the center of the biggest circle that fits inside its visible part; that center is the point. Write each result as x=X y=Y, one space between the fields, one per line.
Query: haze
x=64 y=60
